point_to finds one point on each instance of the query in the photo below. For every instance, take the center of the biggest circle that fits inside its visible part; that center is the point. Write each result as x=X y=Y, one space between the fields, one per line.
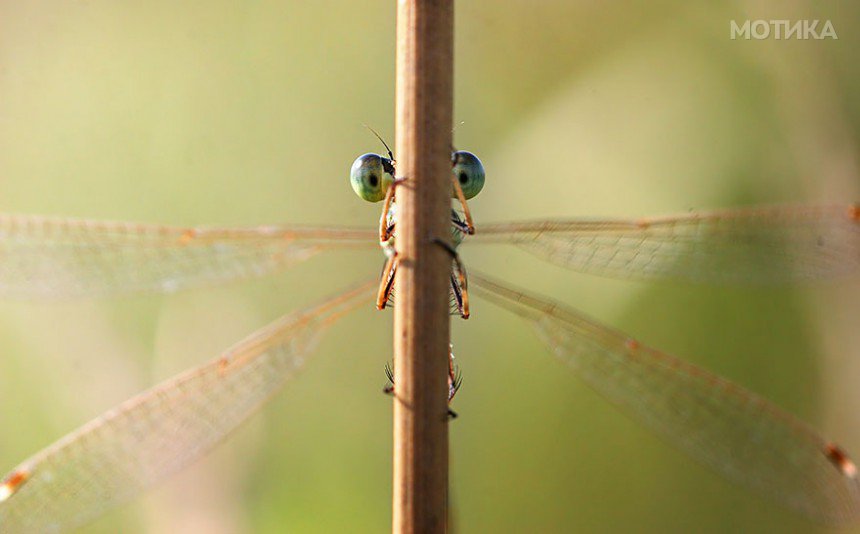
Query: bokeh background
x=228 y=113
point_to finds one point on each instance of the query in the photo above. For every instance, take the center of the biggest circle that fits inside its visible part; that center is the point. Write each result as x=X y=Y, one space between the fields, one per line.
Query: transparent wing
x=46 y=257
x=763 y=245
x=742 y=436
x=112 y=458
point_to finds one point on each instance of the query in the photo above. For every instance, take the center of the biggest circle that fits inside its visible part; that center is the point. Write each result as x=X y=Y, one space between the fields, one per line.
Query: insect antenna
x=381 y=140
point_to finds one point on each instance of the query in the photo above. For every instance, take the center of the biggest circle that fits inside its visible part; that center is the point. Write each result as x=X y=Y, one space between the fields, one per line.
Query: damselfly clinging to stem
x=742 y=436
x=374 y=179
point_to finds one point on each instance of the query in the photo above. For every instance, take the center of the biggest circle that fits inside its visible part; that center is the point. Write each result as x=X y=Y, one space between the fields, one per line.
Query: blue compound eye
x=469 y=172
x=371 y=177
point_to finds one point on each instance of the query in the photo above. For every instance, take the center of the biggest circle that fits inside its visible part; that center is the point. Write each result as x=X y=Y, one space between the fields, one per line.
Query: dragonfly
x=747 y=439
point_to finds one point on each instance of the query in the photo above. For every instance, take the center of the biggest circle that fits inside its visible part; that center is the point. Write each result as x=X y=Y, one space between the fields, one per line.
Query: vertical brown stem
x=424 y=114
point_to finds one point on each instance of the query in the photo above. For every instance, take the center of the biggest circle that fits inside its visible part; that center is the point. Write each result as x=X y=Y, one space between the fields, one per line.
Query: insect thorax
x=458 y=225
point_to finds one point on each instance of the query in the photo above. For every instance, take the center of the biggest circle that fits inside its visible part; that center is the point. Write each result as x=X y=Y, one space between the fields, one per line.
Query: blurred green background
x=251 y=112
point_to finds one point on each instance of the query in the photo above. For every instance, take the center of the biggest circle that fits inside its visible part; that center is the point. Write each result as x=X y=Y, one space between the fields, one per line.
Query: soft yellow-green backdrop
x=251 y=112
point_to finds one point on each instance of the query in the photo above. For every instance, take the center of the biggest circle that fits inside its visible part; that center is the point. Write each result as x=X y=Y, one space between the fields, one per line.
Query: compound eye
x=369 y=177
x=469 y=172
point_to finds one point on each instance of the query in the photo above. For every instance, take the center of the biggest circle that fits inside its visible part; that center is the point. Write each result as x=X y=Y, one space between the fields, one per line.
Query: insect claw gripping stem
x=454 y=382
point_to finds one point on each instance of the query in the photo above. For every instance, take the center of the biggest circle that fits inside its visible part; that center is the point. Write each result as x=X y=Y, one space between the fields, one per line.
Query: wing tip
x=839 y=458
x=12 y=483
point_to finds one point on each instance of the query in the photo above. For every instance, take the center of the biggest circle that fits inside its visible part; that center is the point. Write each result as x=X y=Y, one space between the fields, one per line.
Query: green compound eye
x=371 y=176
x=469 y=172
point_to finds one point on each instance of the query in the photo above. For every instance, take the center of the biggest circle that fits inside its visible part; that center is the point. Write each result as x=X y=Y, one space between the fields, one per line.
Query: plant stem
x=424 y=102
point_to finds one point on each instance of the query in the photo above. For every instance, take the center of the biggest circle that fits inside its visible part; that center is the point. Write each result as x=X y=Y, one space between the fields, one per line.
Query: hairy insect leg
x=386 y=282
x=386 y=224
x=455 y=381
x=467 y=214
x=459 y=280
